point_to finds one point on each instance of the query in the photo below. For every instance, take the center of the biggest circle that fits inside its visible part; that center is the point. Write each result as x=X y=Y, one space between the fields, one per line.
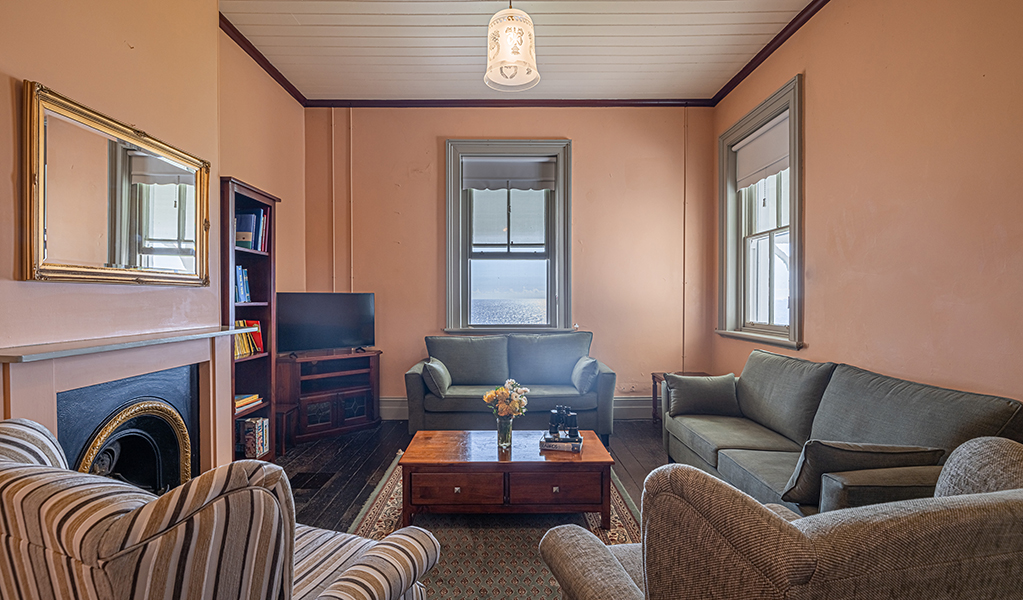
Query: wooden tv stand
x=336 y=391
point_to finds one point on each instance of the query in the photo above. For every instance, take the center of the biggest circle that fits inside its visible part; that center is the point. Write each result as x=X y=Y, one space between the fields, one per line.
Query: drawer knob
x=556 y=489
x=458 y=490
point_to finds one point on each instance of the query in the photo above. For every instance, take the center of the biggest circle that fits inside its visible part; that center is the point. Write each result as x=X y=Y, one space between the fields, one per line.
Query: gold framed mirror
x=106 y=203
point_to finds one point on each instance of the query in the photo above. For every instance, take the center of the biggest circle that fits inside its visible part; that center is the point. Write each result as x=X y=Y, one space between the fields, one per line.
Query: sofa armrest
x=415 y=392
x=605 y=399
x=237 y=518
x=584 y=567
x=388 y=570
x=181 y=503
x=692 y=519
x=846 y=489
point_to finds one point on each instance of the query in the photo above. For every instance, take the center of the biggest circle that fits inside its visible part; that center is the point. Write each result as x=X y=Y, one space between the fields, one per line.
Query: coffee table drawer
x=556 y=488
x=457 y=488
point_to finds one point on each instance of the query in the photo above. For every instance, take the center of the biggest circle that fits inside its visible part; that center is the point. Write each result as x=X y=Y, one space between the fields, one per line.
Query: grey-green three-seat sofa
x=556 y=368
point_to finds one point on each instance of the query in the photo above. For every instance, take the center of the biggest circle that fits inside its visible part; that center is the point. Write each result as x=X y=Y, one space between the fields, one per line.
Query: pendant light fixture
x=511 y=54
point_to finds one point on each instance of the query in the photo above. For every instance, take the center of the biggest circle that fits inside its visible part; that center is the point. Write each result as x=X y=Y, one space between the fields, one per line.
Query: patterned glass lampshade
x=511 y=56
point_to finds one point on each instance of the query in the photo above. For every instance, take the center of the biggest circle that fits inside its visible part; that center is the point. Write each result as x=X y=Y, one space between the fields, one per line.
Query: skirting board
x=627 y=408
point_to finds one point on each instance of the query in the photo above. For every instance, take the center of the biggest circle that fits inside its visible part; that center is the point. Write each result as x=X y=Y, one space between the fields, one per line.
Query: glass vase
x=504 y=431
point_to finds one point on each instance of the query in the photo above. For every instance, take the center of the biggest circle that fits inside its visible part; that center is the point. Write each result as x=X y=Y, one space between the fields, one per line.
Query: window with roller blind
x=761 y=276
x=508 y=235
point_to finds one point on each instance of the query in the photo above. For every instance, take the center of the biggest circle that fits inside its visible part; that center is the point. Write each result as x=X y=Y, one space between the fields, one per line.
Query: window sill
x=760 y=337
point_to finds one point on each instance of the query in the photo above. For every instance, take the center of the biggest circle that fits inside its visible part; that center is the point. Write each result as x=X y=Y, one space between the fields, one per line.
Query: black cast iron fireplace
x=141 y=430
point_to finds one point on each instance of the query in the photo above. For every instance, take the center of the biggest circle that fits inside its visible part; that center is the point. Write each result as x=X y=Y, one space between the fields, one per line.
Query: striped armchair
x=227 y=534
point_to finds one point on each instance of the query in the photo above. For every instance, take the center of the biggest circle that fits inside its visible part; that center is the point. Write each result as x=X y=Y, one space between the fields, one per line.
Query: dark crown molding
x=243 y=42
x=793 y=26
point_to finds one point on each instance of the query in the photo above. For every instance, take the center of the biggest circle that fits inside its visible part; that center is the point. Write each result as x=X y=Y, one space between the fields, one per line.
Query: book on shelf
x=245 y=285
x=253 y=436
x=562 y=446
x=239 y=284
x=245 y=229
x=257 y=335
x=246 y=400
x=242 y=345
x=253 y=221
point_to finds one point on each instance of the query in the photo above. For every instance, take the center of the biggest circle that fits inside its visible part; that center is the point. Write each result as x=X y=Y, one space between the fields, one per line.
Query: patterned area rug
x=491 y=556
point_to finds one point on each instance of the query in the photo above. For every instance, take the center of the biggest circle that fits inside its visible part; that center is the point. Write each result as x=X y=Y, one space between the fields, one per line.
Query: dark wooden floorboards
x=332 y=478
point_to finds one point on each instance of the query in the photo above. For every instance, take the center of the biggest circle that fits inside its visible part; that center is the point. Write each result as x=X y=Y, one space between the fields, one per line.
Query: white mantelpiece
x=33 y=375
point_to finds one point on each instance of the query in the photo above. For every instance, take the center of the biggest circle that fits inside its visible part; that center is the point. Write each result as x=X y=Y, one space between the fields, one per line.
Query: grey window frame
x=731 y=214
x=458 y=230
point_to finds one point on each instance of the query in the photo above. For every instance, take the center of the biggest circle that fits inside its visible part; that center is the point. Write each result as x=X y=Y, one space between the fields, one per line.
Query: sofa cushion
x=546 y=358
x=702 y=395
x=819 y=457
x=847 y=489
x=706 y=435
x=469 y=398
x=585 y=373
x=436 y=377
x=861 y=406
x=472 y=360
x=782 y=393
x=762 y=474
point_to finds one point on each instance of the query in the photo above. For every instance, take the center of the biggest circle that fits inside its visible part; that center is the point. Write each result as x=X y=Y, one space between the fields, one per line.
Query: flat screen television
x=316 y=320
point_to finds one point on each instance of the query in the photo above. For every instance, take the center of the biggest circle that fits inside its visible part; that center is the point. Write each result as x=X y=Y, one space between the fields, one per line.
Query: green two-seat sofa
x=445 y=390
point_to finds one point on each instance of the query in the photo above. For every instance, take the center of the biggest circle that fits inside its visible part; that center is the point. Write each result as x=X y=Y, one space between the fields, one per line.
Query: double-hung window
x=760 y=294
x=508 y=219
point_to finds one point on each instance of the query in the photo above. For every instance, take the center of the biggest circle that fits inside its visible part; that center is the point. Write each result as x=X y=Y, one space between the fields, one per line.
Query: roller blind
x=150 y=169
x=504 y=172
x=764 y=153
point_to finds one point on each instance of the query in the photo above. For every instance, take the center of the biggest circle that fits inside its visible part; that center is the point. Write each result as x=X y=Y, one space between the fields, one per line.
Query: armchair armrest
x=846 y=489
x=605 y=399
x=692 y=519
x=388 y=570
x=238 y=518
x=584 y=567
x=415 y=391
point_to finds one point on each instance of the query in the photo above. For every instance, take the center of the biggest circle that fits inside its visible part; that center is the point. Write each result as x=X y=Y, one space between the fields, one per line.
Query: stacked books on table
x=243 y=401
x=562 y=443
x=253 y=436
x=250 y=342
x=250 y=229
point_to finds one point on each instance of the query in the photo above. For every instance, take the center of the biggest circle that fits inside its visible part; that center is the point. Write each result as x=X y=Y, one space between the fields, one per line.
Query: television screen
x=313 y=321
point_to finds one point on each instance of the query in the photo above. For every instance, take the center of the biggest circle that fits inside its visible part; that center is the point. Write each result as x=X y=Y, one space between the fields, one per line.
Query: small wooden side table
x=656 y=395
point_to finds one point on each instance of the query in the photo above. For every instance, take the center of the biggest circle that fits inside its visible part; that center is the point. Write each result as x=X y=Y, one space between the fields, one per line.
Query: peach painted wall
x=150 y=64
x=913 y=209
x=627 y=223
x=262 y=142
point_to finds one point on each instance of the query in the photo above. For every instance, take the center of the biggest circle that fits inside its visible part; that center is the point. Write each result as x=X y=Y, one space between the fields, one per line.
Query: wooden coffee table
x=463 y=472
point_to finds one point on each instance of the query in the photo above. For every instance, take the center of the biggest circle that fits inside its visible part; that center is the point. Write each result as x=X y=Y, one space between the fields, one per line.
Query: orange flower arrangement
x=508 y=400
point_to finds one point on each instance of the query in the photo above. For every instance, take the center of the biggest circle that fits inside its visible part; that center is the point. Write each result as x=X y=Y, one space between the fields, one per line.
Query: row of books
x=241 y=284
x=243 y=401
x=252 y=436
x=250 y=342
x=250 y=227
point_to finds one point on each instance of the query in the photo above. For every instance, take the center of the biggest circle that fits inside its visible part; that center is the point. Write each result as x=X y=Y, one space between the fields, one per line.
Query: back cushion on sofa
x=472 y=360
x=861 y=406
x=546 y=358
x=782 y=393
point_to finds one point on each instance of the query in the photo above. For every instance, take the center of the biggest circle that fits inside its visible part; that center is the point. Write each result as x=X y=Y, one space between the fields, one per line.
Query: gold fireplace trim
x=139 y=409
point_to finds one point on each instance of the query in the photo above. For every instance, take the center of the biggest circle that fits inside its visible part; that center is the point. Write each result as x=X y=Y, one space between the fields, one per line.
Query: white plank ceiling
x=433 y=50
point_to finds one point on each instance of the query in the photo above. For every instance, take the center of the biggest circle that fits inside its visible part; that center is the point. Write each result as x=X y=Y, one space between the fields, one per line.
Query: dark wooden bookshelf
x=255 y=373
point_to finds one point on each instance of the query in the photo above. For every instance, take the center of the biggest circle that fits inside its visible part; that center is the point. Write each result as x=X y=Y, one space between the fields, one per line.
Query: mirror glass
x=110 y=204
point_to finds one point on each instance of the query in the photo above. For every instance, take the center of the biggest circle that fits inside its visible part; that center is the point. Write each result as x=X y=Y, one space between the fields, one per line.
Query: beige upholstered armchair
x=702 y=539
x=227 y=534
